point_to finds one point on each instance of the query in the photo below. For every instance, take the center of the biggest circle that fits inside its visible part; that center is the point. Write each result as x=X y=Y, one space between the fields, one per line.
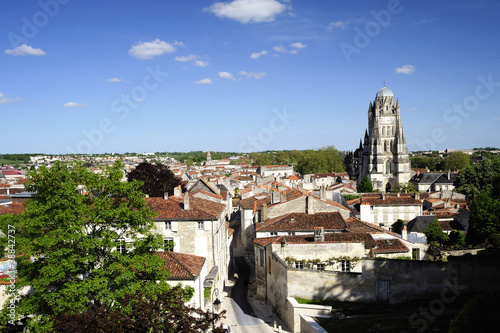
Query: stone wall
x=405 y=280
x=296 y=310
x=309 y=325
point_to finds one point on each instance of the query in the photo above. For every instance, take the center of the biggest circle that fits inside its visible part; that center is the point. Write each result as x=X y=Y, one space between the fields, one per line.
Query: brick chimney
x=186 y=201
x=165 y=196
x=264 y=213
x=319 y=234
x=310 y=204
x=275 y=196
x=322 y=192
x=404 y=232
x=178 y=191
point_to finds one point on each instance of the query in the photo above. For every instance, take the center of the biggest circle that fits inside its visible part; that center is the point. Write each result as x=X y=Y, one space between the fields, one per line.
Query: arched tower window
x=385 y=145
x=388 y=166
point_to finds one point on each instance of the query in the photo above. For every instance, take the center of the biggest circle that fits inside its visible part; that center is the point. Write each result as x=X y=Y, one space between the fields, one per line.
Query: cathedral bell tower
x=383 y=156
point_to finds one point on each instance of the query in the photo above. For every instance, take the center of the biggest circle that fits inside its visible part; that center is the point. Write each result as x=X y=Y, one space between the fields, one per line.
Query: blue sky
x=244 y=75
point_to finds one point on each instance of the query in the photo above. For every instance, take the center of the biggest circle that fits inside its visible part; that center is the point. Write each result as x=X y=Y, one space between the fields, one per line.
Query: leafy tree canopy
x=485 y=217
x=323 y=160
x=434 y=233
x=365 y=185
x=458 y=161
x=405 y=188
x=74 y=225
x=156 y=179
x=478 y=177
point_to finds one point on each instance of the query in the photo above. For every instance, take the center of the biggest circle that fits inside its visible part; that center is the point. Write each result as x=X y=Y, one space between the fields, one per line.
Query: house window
x=388 y=167
x=273 y=234
x=121 y=247
x=201 y=225
x=320 y=267
x=262 y=257
x=346 y=266
x=299 y=265
x=168 y=244
x=168 y=225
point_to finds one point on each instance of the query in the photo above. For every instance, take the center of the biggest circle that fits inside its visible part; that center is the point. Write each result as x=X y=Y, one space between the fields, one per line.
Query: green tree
x=434 y=233
x=397 y=226
x=324 y=160
x=405 y=188
x=485 y=217
x=164 y=312
x=156 y=179
x=458 y=161
x=477 y=177
x=75 y=225
x=365 y=185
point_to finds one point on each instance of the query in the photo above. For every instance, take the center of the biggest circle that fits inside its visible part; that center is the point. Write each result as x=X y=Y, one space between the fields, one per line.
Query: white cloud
x=115 y=79
x=73 y=104
x=148 y=50
x=204 y=81
x=337 y=24
x=251 y=75
x=200 y=63
x=5 y=100
x=194 y=58
x=23 y=50
x=190 y=57
x=226 y=75
x=298 y=45
x=406 y=69
x=256 y=55
x=248 y=11
x=279 y=48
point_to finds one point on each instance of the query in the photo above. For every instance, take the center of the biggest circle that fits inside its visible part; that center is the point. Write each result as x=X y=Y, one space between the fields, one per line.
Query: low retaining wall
x=309 y=325
x=296 y=310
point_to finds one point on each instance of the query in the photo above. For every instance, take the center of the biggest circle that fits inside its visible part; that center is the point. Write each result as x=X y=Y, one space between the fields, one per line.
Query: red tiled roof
x=331 y=237
x=391 y=200
x=303 y=221
x=173 y=208
x=389 y=246
x=182 y=266
x=356 y=225
x=13 y=208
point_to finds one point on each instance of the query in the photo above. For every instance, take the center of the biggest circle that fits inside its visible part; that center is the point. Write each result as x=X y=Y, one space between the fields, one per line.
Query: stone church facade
x=383 y=155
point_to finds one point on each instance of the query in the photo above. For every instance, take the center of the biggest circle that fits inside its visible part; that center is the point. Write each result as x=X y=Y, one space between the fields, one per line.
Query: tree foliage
x=323 y=160
x=458 y=161
x=478 y=177
x=435 y=234
x=405 y=188
x=365 y=185
x=74 y=225
x=156 y=179
x=162 y=313
x=485 y=217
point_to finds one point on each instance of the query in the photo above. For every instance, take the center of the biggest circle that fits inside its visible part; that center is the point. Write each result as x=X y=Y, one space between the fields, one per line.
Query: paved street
x=244 y=313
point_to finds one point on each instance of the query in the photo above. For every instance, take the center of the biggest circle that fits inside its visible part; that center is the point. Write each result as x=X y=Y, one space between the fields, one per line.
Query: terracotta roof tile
x=303 y=221
x=389 y=246
x=331 y=237
x=182 y=266
x=173 y=208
